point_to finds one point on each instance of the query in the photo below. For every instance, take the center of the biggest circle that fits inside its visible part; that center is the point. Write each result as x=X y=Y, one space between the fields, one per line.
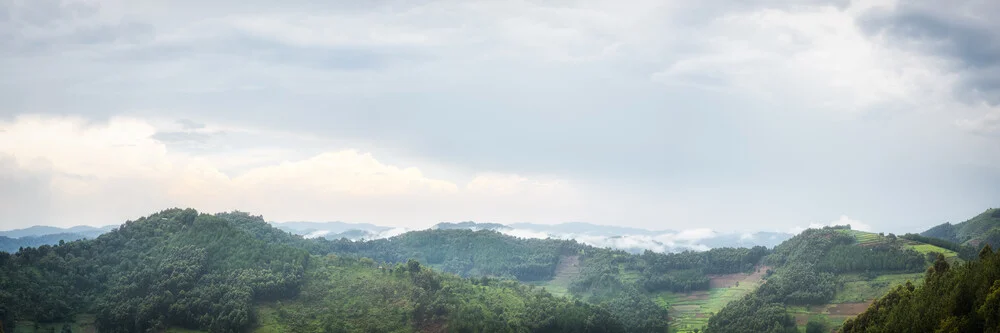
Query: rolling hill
x=978 y=231
x=181 y=271
x=168 y=270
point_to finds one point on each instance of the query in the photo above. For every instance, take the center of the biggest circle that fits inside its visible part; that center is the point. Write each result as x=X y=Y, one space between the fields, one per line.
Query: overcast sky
x=732 y=115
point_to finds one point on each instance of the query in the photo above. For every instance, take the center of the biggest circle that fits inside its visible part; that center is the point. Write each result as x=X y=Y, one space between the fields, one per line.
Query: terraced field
x=690 y=311
x=858 y=291
x=566 y=271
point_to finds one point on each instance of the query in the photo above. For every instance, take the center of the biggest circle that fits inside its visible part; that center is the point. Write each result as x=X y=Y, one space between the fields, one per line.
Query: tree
x=413 y=266
x=815 y=327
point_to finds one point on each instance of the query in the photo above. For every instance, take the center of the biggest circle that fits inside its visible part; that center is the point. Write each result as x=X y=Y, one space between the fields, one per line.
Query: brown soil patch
x=697 y=296
x=848 y=309
x=801 y=319
x=730 y=280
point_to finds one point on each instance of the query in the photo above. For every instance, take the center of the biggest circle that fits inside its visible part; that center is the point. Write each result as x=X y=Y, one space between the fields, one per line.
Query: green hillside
x=952 y=298
x=823 y=277
x=978 y=231
x=180 y=271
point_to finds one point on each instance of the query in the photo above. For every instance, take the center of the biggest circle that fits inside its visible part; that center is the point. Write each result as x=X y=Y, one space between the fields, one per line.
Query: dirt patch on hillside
x=568 y=268
x=731 y=280
x=848 y=309
x=697 y=296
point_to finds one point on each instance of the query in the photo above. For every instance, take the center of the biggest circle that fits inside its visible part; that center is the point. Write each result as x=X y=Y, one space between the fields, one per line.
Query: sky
x=729 y=115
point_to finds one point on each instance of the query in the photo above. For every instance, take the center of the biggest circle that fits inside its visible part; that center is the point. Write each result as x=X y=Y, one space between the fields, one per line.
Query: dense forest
x=965 y=298
x=178 y=268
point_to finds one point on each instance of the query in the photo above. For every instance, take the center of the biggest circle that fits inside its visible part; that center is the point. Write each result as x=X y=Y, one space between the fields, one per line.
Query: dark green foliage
x=173 y=268
x=767 y=316
x=816 y=327
x=965 y=298
x=851 y=258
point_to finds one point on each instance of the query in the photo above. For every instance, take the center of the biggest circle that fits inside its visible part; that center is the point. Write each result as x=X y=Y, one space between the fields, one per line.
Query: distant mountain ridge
x=978 y=231
x=40 y=230
x=630 y=239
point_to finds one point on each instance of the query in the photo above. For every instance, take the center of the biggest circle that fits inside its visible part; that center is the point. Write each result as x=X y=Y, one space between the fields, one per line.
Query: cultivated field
x=690 y=311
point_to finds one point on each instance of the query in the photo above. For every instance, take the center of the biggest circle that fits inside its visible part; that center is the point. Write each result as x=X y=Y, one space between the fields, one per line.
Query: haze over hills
x=634 y=240
x=38 y=230
x=12 y=240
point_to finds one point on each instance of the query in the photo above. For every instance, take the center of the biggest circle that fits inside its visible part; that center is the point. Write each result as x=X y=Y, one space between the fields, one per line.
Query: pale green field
x=690 y=311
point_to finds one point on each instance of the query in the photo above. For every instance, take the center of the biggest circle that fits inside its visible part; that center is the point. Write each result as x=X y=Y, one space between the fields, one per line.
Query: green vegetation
x=965 y=298
x=178 y=271
x=466 y=253
x=814 y=269
x=172 y=268
x=351 y=295
x=984 y=229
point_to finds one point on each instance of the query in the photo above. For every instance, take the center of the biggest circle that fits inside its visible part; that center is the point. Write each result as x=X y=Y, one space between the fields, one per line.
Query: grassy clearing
x=567 y=270
x=856 y=293
x=689 y=311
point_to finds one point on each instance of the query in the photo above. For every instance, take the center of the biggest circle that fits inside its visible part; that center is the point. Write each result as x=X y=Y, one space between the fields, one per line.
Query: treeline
x=12 y=245
x=965 y=298
x=879 y=258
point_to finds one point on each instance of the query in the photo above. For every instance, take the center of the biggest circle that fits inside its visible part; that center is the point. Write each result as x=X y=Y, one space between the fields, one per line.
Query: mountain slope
x=980 y=230
x=824 y=276
x=232 y=272
x=965 y=298
x=38 y=230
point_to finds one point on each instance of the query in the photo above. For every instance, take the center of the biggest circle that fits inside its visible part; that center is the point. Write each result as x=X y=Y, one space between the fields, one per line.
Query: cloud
x=964 y=32
x=86 y=170
x=652 y=113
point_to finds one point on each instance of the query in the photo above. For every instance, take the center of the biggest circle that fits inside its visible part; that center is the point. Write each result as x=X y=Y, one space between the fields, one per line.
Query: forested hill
x=231 y=273
x=965 y=298
x=984 y=229
x=819 y=267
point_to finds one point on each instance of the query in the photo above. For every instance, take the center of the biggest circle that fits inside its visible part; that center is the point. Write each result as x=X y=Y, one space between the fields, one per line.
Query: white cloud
x=102 y=173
